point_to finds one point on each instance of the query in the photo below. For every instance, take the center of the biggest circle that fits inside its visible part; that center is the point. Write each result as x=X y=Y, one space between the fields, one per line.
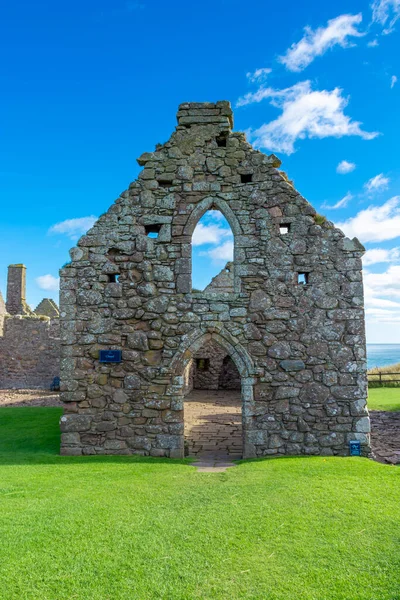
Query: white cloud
x=381 y=255
x=375 y=305
x=341 y=204
x=386 y=13
x=373 y=43
x=48 y=282
x=260 y=94
x=209 y=234
x=216 y=215
x=258 y=75
x=377 y=183
x=382 y=298
x=345 y=167
x=74 y=228
x=223 y=253
x=381 y=290
x=393 y=81
x=385 y=284
x=305 y=114
x=375 y=223
x=315 y=43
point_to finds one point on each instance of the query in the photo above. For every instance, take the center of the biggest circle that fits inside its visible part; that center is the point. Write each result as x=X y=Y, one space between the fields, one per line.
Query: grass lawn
x=136 y=529
x=384 y=398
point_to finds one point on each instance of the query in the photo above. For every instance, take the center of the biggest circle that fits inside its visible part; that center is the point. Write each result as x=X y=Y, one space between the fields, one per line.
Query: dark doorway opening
x=213 y=405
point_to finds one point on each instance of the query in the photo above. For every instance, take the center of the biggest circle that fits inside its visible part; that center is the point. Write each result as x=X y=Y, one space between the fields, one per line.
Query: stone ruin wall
x=221 y=373
x=300 y=349
x=29 y=340
x=29 y=352
x=3 y=313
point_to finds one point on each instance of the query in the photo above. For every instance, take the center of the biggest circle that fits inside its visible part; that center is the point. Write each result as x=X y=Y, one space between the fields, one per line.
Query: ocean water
x=382 y=355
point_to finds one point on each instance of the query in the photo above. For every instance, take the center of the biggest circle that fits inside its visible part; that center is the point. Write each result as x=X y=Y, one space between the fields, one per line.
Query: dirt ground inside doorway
x=213 y=424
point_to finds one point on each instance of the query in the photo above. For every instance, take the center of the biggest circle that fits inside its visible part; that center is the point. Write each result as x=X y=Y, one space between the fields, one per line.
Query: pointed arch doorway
x=216 y=388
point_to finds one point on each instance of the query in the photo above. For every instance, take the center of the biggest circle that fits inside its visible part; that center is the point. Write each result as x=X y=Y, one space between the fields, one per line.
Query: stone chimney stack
x=206 y=113
x=16 y=291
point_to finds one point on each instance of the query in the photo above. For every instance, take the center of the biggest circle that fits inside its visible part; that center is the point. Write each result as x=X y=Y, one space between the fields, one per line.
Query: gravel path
x=29 y=398
x=385 y=436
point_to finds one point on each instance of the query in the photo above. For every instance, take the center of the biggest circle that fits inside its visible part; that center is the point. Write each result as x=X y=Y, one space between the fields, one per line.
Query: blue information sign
x=355 y=448
x=110 y=356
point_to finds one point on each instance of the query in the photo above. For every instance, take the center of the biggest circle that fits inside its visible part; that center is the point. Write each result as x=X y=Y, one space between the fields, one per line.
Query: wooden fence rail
x=379 y=377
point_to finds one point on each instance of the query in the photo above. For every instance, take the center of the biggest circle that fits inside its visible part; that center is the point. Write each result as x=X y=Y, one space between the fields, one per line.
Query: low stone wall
x=29 y=352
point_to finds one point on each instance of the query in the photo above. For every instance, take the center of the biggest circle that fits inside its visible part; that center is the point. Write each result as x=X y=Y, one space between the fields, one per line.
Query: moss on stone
x=319 y=219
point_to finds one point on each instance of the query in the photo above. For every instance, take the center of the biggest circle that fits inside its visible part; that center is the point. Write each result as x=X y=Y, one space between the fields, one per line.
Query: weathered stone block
x=163 y=273
x=132 y=382
x=119 y=396
x=75 y=423
x=169 y=441
x=70 y=438
x=292 y=365
x=286 y=392
x=279 y=350
x=362 y=425
x=314 y=393
x=183 y=284
x=138 y=341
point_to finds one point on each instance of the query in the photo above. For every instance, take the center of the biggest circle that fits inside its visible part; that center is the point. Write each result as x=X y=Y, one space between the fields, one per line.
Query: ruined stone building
x=29 y=339
x=286 y=319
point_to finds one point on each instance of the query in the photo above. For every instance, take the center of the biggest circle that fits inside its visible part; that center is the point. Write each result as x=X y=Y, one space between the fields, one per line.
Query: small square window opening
x=221 y=141
x=246 y=177
x=152 y=231
x=302 y=278
x=284 y=228
x=164 y=182
x=113 y=278
x=202 y=364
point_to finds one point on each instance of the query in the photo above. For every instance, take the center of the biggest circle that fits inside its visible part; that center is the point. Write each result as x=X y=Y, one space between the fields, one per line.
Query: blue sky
x=87 y=87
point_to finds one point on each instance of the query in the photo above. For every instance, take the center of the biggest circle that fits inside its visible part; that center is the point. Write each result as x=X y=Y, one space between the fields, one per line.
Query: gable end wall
x=300 y=349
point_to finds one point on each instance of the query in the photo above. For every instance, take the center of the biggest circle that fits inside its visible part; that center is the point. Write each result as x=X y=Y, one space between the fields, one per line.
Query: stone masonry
x=292 y=322
x=218 y=372
x=29 y=340
x=16 y=291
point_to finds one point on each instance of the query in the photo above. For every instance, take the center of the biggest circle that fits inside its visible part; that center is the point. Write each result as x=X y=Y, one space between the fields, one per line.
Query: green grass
x=110 y=528
x=384 y=398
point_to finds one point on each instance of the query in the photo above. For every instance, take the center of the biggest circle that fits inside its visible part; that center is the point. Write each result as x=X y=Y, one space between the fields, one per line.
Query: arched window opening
x=212 y=254
x=212 y=405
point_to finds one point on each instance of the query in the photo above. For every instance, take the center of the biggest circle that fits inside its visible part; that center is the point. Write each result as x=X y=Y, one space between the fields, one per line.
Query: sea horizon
x=382 y=355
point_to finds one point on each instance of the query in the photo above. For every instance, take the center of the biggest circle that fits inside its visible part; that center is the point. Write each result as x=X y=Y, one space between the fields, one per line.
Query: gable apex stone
x=47 y=307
